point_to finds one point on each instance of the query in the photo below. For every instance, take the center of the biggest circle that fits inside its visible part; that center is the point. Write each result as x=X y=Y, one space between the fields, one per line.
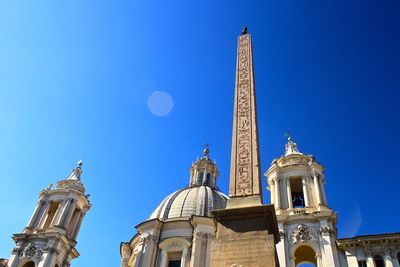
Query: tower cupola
x=296 y=181
x=204 y=171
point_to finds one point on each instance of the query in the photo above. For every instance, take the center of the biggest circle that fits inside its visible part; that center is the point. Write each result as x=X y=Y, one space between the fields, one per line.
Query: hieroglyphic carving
x=244 y=122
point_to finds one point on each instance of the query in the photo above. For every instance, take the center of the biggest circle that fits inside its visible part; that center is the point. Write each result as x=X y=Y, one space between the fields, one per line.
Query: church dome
x=199 y=198
x=194 y=200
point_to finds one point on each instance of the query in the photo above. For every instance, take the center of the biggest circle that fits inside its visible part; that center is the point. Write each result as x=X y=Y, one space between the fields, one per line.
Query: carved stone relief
x=243 y=164
x=303 y=234
x=31 y=251
x=325 y=230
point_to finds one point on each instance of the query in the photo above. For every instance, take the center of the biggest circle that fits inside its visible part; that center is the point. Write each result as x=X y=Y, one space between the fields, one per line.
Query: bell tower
x=49 y=239
x=307 y=226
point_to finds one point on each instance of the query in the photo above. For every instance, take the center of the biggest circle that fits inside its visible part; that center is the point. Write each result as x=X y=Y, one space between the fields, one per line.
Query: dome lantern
x=204 y=171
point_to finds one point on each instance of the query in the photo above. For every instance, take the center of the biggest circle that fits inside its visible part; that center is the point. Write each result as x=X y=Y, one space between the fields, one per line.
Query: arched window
x=200 y=178
x=296 y=186
x=379 y=261
x=29 y=264
x=208 y=179
x=305 y=256
x=174 y=252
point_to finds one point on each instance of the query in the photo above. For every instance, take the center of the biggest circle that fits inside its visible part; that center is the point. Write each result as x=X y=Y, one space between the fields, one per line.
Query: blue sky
x=76 y=77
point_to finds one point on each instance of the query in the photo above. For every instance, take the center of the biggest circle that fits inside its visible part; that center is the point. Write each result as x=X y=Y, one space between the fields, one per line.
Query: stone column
x=289 y=194
x=138 y=252
x=272 y=190
x=50 y=254
x=43 y=214
x=370 y=259
x=277 y=194
x=67 y=214
x=330 y=256
x=323 y=191
x=280 y=247
x=319 y=260
x=388 y=259
x=351 y=257
x=196 y=249
x=209 y=237
x=36 y=214
x=78 y=225
x=305 y=192
x=149 y=251
x=317 y=191
x=164 y=258
x=184 y=257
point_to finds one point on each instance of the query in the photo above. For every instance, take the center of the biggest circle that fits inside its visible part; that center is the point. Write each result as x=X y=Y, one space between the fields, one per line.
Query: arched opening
x=208 y=179
x=29 y=264
x=50 y=214
x=200 y=178
x=305 y=256
x=379 y=261
x=174 y=252
x=296 y=186
x=398 y=257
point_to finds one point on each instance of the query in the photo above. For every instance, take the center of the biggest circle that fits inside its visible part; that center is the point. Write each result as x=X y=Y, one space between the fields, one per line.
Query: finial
x=291 y=146
x=76 y=172
x=206 y=150
x=288 y=134
x=244 y=29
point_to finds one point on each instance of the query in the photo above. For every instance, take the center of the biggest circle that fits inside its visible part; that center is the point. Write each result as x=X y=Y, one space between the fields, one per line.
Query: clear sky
x=77 y=80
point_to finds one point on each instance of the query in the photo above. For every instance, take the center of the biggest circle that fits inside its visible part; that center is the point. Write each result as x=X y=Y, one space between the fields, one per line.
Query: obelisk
x=245 y=179
x=247 y=230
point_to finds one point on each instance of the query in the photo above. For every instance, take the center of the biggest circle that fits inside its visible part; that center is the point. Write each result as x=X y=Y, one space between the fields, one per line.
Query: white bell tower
x=307 y=226
x=49 y=239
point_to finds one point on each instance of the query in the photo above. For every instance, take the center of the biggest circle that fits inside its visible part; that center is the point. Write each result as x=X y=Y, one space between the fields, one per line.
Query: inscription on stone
x=243 y=161
x=243 y=252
